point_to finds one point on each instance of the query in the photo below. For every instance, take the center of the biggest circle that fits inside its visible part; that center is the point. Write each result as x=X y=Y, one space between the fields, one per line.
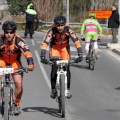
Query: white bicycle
x=61 y=83
x=7 y=91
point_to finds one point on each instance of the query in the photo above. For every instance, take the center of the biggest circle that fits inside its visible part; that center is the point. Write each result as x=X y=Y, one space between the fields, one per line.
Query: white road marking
x=33 y=43
x=39 y=41
x=43 y=70
x=114 y=55
x=68 y=117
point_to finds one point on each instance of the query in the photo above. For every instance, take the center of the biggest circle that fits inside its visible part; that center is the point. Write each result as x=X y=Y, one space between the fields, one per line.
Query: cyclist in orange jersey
x=11 y=47
x=58 y=36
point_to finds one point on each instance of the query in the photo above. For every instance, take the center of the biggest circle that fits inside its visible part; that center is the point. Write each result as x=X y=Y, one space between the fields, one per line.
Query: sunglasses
x=6 y=32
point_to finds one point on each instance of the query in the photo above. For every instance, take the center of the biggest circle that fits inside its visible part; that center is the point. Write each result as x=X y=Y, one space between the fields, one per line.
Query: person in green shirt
x=91 y=28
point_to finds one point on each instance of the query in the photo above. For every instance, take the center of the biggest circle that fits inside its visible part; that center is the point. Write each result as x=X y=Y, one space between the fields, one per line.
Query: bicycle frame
x=62 y=67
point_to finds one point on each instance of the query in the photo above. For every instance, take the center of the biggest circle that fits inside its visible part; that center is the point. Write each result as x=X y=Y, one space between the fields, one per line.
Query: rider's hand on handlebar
x=79 y=59
x=31 y=67
x=82 y=37
x=44 y=60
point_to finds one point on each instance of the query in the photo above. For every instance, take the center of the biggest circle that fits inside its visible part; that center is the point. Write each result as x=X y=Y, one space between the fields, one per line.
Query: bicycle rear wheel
x=6 y=103
x=62 y=94
x=91 y=61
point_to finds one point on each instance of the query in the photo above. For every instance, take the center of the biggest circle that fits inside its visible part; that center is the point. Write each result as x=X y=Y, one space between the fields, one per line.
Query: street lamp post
x=119 y=21
x=67 y=11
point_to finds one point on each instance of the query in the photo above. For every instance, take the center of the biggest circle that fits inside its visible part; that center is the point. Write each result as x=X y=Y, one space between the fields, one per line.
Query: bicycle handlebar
x=64 y=62
x=10 y=70
x=23 y=69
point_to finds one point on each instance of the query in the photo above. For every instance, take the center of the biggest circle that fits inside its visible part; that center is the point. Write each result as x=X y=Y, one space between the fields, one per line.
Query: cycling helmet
x=60 y=20
x=9 y=25
x=92 y=15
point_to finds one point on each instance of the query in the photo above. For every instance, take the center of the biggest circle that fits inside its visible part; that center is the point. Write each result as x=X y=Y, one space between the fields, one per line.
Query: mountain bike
x=61 y=83
x=7 y=91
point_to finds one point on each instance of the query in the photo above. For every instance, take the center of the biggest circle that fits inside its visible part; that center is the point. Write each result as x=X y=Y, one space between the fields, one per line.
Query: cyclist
x=58 y=36
x=11 y=47
x=91 y=27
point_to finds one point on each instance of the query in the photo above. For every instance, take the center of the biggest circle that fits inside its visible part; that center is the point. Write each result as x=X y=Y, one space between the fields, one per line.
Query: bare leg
x=18 y=88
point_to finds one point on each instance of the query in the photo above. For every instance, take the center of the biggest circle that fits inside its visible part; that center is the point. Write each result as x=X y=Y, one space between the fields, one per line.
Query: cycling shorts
x=61 y=52
x=91 y=35
x=15 y=64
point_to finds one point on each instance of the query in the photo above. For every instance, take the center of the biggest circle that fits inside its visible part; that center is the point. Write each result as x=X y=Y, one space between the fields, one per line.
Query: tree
x=48 y=9
x=16 y=6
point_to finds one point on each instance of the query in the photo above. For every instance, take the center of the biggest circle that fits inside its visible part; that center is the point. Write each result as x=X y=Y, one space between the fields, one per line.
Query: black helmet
x=60 y=20
x=9 y=25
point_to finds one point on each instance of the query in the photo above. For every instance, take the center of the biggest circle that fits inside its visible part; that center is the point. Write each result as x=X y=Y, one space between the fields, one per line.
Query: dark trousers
x=114 y=35
x=54 y=76
x=29 y=28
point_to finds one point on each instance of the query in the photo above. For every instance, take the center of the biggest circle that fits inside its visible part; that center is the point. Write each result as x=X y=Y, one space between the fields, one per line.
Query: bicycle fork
x=58 y=83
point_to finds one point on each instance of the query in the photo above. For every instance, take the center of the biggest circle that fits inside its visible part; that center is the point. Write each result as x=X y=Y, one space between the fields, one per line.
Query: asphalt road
x=96 y=94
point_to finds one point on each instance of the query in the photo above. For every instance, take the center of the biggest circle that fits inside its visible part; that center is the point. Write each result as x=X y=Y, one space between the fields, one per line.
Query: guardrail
x=43 y=24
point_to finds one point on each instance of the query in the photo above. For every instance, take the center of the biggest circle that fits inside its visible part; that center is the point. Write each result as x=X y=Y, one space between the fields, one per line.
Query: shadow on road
x=80 y=66
x=118 y=88
x=45 y=110
x=103 y=45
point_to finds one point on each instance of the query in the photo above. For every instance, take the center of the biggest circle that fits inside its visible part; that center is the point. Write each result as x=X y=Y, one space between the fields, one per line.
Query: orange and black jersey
x=12 y=51
x=60 y=39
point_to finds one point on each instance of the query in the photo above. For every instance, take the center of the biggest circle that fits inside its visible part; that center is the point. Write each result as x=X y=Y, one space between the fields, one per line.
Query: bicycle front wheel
x=11 y=103
x=6 y=103
x=62 y=94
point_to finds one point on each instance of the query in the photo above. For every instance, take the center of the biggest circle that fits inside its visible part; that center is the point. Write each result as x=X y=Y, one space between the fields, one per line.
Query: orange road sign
x=100 y=14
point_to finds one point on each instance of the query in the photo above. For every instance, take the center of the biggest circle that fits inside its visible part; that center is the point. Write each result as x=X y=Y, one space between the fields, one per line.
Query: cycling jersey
x=91 y=25
x=12 y=52
x=59 y=42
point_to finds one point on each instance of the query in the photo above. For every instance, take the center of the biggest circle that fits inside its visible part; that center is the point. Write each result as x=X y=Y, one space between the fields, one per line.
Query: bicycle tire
x=6 y=103
x=11 y=102
x=62 y=94
x=59 y=104
x=91 y=61
x=2 y=107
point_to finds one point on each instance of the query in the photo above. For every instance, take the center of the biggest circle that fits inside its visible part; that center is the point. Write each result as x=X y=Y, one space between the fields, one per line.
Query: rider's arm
x=83 y=28
x=25 y=50
x=99 y=28
x=75 y=40
x=45 y=42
